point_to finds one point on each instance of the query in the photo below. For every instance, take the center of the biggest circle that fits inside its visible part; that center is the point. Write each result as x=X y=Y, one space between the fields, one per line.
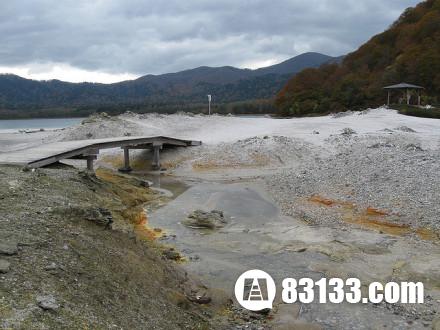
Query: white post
x=209 y=104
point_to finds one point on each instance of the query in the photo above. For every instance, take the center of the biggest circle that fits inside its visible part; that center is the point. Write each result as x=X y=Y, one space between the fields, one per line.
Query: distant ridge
x=184 y=88
x=298 y=63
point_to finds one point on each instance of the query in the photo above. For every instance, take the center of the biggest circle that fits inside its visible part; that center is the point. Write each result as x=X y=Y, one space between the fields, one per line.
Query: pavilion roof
x=404 y=86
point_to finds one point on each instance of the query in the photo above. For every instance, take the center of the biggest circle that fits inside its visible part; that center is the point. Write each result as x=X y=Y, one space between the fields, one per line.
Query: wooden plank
x=52 y=152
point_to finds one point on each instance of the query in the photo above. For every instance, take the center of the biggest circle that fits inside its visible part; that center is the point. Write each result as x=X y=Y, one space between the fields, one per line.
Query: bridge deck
x=53 y=152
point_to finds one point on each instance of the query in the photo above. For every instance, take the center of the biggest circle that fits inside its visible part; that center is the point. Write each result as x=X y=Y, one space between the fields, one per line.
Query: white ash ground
x=273 y=152
x=97 y=127
x=374 y=158
x=218 y=129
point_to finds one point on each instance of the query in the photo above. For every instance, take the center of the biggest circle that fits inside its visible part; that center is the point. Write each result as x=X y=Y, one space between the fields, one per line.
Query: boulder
x=205 y=220
x=48 y=303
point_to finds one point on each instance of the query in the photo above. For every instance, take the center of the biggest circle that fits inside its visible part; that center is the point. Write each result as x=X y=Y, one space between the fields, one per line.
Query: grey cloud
x=140 y=37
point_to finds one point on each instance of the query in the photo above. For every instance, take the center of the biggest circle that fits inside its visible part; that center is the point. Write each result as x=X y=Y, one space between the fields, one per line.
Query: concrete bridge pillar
x=90 y=160
x=126 y=167
x=156 y=155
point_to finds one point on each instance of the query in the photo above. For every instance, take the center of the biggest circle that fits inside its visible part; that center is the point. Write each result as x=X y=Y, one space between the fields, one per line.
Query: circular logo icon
x=255 y=290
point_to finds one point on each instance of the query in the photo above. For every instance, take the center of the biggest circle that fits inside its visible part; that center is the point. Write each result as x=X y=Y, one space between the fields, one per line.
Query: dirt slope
x=63 y=267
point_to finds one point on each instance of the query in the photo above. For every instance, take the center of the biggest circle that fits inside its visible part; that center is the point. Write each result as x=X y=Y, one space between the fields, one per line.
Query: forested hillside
x=185 y=90
x=409 y=51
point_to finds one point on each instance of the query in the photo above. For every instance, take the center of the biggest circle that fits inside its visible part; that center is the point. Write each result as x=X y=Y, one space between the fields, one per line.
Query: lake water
x=10 y=125
x=13 y=125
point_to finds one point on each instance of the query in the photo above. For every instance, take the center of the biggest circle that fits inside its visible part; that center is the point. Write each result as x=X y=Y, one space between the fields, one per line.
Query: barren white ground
x=362 y=190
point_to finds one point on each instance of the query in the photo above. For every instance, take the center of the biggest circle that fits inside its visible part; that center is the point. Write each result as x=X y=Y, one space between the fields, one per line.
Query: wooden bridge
x=88 y=150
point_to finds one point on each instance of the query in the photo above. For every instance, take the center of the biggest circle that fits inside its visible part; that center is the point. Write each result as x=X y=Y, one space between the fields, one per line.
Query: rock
x=205 y=220
x=194 y=258
x=52 y=266
x=413 y=147
x=8 y=248
x=100 y=216
x=265 y=311
x=342 y=114
x=315 y=132
x=172 y=254
x=348 y=131
x=145 y=183
x=26 y=169
x=5 y=266
x=202 y=300
x=405 y=129
x=48 y=303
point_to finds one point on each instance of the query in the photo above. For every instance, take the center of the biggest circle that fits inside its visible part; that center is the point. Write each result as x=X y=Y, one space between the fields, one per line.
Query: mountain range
x=186 y=88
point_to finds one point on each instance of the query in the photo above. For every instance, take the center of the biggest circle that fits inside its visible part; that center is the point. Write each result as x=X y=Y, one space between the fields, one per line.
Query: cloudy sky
x=113 y=40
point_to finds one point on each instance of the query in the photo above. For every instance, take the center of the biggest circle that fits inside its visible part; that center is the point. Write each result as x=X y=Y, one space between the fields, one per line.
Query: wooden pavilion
x=406 y=88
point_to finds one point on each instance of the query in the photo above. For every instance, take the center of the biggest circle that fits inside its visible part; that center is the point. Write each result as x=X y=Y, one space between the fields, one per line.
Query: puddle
x=164 y=184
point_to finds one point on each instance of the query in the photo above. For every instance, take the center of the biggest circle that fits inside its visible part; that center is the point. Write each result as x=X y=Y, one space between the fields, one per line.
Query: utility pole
x=209 y=104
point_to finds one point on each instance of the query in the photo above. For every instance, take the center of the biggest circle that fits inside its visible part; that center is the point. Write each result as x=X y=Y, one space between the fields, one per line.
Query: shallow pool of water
x=248 y=241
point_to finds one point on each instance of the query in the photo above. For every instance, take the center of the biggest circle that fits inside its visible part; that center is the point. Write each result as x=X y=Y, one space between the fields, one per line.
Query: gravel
x=5 y=266
x=8 y=248
x=391 y=173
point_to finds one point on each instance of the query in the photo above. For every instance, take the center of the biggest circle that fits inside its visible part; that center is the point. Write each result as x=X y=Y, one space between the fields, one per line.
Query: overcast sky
x=113 y=40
